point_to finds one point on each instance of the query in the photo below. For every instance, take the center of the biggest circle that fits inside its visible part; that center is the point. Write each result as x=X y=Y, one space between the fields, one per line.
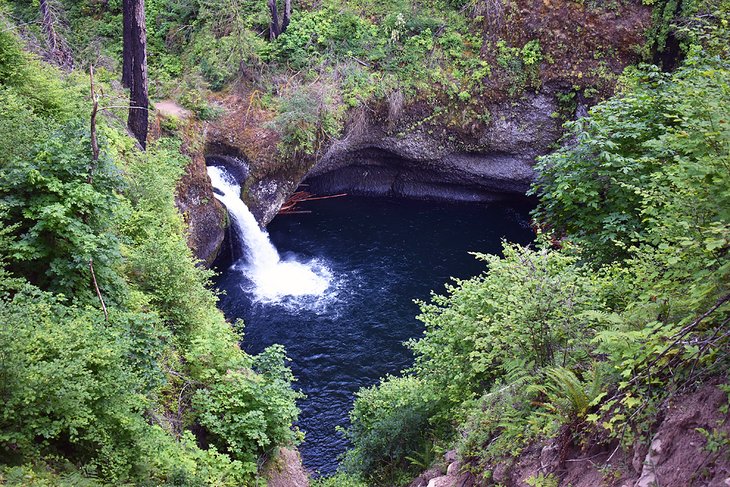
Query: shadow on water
x=382 y=254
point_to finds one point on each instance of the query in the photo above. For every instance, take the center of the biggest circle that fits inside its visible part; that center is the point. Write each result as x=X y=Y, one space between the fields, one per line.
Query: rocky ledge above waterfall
x=490 y=162
x=407 y=155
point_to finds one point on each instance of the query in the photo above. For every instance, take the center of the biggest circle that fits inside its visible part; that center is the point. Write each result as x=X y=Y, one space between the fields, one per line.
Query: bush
x=62 y=206
x=390 y=422
x=249 y=413
x=324 y=33
x=645 y=163
x=38 y=85
x=307 y=117
x=535 y=305
x=339 y=480
x=68 y=384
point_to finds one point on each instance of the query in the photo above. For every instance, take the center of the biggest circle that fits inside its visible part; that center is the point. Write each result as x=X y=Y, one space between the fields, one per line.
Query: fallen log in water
x=289 y=207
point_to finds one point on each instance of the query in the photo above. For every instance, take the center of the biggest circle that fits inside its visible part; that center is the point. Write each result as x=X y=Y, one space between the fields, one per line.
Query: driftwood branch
x=290 y=205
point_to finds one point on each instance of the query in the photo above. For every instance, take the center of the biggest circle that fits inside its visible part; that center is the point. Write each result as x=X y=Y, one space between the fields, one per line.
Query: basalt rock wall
x=493 y=163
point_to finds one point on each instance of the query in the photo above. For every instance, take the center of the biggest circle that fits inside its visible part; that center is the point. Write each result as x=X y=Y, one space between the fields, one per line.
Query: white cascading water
x=273 y=278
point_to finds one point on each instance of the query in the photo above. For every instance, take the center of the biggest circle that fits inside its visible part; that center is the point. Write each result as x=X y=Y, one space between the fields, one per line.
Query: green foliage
x=220 y=59
x=339 y=480
x=153 y=240
x=535 y=305
x=501 y=422
x=40 y=88
x=62 y=206
x=522 y=65
x=307 y=118
x=248 y=413
x=567 y=396
x=646 y=164
x=312 y=35
x=543 y=480
x=84 y=398
x=68 y=384
x=35 y=476
x=203 y=109
x=390 y=422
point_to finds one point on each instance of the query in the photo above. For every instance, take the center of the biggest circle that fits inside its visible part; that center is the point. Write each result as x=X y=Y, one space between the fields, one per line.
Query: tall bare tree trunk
x=274 y=25
x=287 y=16
x=126 y=44
x=58 y=50
x=136 y=56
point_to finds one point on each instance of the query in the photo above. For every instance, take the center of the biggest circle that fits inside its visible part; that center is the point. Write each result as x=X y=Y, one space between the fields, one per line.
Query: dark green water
x=382 y=254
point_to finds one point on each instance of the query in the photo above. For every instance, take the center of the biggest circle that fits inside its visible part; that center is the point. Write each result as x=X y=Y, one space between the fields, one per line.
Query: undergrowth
x=158 y=393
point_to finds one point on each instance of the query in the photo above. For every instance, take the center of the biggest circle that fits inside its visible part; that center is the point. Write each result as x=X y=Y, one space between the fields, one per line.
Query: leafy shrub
x=251 y=413
x=339 y=480
x=37 y=85
x=312 y=35
x=500 y=423
x=67 y=385
x=33 y=476
x=645 y=163
x=567 y=396
x=182 y=463
x=522 y=65
x=389 y=422
x=62 y=206
x=307 y=117
x=220 y=60
x=535 y=305
x=157 y=259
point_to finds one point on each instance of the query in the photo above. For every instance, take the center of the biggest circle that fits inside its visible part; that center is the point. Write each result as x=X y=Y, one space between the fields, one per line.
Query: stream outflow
x=336 y=288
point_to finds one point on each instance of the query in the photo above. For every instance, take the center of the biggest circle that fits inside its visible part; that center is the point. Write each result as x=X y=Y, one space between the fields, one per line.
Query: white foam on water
x=273 y=280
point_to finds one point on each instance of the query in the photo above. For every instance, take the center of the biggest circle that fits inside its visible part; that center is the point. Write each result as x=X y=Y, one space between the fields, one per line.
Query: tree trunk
x=287 y=16
x=136 y=56
x=274 y=26
x=126 y=43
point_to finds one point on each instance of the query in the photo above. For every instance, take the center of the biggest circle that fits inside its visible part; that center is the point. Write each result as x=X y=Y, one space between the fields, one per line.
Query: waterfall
x=271 y=277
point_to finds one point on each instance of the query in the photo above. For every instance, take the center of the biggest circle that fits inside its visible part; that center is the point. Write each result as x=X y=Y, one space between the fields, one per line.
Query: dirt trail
x=171 y=108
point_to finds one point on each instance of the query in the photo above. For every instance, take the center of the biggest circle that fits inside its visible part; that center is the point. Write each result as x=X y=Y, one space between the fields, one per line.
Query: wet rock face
x=234 y=165
x=204 y=215
x=265 y=196
x=456 y=177
x=495 y=164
